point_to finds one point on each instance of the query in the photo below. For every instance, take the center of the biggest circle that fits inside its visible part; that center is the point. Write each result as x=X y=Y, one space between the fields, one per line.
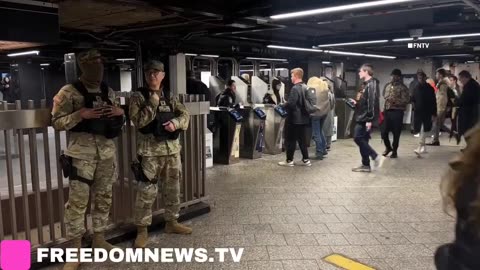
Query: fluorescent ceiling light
x=326 y=62
x=452 y=55
x=354 y=43
x=339 y=8
x=191 y=54
x=210 y=55
x=267 y=59
x=125 y=59
x=293 y=48
x=45 y=64
x=361 y=54
x=470 y=62
x=23 y=53
x=438 y=37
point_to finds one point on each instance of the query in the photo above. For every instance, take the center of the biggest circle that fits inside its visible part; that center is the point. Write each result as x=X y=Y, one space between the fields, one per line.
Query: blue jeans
x=361 y=138
x=318 y=136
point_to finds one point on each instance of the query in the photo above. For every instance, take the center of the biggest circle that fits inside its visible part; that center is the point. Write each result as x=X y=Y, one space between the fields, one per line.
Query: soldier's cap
x=396 y=72
x=89 y=55
x=154 y=64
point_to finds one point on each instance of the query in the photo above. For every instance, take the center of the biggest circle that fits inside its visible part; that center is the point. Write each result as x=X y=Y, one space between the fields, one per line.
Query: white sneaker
x=418 y=152
x=305 y=162
x=416 y=135
x=286 y=163
x=423 y=149
x=378 y=162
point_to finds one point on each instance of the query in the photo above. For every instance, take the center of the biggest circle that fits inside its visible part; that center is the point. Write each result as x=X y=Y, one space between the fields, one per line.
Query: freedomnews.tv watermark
x=418 y=45
x=134 y=255
x=16 y=255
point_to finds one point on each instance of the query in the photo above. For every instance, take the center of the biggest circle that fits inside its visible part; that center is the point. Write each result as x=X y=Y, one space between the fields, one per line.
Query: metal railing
x=33 y=191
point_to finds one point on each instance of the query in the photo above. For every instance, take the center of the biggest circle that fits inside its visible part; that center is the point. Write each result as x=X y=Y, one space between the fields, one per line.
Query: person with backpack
x=319 y=117
x=365 y=114
x=297 y=120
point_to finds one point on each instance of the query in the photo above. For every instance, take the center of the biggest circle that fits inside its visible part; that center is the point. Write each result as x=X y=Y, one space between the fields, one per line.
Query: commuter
x=328 y=127
x=268 y=98
x=196 y=87
x=453 y=84
x=425 y=105
x=227 y=97
x=468 y=103
x=318 y=118
x=159 y=119
x=297 y=120
x=460 y=190
x=442 y=102
x=396 y=100
x=89 y=111
x=276 y=87
x=365 y=109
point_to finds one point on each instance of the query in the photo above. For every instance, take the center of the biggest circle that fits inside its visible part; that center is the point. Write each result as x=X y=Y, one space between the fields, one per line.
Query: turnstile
x=274 y=126
x=252 y=138
x=345 y=119
x=226 y=136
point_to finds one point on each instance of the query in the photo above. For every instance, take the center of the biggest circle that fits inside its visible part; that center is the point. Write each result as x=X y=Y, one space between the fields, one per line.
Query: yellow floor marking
x=346 y=263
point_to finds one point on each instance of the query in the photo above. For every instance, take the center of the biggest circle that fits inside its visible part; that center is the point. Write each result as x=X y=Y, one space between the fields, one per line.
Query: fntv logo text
x=418 y=45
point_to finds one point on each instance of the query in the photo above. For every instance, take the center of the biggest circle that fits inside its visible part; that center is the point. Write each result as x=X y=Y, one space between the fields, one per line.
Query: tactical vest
x=165 y=112
x=110 y=127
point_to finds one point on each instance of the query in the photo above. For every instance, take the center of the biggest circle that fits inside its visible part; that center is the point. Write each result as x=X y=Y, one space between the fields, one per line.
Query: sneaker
x=418 y=151
x=394 y=155
x=305 y=162
x=416 y=135
x=378 y=162
x=319 y=157
x=423 y=149
x=286 y=163
x=362 y=168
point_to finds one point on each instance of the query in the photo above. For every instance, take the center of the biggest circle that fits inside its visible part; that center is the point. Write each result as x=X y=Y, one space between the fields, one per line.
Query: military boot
x=175 y=227
x=77 y=243
x=99 y=242
x=142 y=237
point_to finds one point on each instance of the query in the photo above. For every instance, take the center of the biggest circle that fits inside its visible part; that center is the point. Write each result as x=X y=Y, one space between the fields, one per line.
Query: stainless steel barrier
x=32 y=188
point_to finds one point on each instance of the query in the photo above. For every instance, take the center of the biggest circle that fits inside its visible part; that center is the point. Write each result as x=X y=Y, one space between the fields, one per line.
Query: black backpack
x=309 y=99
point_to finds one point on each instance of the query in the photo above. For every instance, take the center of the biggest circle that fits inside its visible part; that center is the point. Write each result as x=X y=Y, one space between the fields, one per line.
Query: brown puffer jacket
x=321 y=91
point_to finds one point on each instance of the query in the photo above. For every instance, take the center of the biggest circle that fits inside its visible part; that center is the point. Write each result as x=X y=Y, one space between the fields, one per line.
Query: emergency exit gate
x=32 y=188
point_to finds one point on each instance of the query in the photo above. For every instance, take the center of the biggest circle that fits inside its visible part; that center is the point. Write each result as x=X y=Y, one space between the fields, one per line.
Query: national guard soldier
x=88 y=109
x=159 y=120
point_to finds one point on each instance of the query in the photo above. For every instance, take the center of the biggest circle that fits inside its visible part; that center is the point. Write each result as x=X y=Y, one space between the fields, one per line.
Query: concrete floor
x=291 y=218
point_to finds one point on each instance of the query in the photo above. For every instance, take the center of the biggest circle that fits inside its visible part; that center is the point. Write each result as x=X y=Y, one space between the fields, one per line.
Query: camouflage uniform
x=160 y=159
x=442 y=101
x=94 y=158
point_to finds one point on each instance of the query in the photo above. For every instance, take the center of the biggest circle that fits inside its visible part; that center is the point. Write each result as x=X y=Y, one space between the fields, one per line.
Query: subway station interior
x=245 y=72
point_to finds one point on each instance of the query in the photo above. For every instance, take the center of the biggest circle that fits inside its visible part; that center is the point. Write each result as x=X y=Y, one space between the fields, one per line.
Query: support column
x=178 y=81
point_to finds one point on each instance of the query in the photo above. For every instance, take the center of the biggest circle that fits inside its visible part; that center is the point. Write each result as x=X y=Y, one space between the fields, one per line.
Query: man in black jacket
x=297 y=121
x=425 y=105
x=365 y=110
x=468 y=103
x=228 y=97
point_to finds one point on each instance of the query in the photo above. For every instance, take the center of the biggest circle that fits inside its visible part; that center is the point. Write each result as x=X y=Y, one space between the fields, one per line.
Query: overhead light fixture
x=453 y=55
x=338 y=8
x=470 y=62
x=267 y=59
x=293 y=48
x=326 y=62
x=210 y=55
x=23 y=53
x=354 y=43
x=125 y=59
x=439 y=37
x=191 y=54
x=45 y=64
x=361 y=54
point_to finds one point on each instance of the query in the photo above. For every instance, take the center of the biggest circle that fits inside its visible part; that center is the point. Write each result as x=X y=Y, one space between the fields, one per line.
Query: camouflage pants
x=168 y=170
x=103 y=174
